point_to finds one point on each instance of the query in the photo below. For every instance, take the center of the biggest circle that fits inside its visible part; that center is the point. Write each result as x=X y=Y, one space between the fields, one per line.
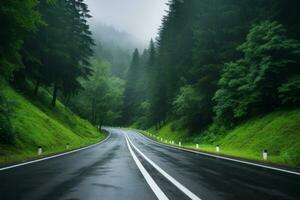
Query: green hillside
x=36 y=123
x=278 y=132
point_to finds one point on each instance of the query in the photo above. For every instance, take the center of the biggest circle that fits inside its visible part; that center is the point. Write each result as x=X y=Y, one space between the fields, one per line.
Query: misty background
x=135 y=20
x=120 y=26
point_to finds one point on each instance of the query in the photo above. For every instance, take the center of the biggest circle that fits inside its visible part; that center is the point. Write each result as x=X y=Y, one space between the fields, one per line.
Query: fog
x=139 y=18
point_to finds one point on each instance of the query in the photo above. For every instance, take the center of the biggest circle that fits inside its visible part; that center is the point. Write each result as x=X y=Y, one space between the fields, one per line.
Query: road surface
x=130 y=166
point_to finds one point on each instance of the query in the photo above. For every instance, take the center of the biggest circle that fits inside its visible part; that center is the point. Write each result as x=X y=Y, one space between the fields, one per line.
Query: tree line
x=48 y=42
x=216 y=62
x=44 y=43
x=213 y=62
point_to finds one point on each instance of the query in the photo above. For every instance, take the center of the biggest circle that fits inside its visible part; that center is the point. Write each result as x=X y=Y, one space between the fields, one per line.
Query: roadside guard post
x=40 y=150
x=218 y=148
x=197 y=146
x=179 y=143
x=265 y=154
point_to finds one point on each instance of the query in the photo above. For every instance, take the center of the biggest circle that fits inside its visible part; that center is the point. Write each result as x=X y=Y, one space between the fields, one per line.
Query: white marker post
x=172 y=142
x=40 y=150
x=179 y=143
x=197 y=146
x=218 y=148
x=265 y=154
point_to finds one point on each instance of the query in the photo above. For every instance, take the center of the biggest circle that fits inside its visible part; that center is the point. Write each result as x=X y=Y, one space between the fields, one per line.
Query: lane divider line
x=54 y=156
x=221 y=157
x=153 y=185
x=186 y=191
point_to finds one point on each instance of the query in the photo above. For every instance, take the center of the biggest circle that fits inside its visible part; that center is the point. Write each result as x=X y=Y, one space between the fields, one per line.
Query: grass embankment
x=36 y=123
x=278 y=132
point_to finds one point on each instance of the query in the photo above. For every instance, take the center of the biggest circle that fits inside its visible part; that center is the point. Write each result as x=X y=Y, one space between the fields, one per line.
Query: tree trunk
x=67 y=99
x=101 y=124
x=54 y=95
x=36 y=89
x=93 y=112
x=159 y=124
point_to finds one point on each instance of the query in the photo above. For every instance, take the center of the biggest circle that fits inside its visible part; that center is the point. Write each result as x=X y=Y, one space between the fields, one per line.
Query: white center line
x=157 y=191
x=165 y=174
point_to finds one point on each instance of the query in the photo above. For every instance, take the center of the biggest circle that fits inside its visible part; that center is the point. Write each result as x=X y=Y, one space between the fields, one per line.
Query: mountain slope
x=277 y=132
x=36 y=123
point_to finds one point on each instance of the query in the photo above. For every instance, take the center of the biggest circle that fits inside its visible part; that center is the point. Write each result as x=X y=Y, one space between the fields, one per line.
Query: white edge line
x=54 y=156
x=157 y=191
x=165 y=174
x=221 y=157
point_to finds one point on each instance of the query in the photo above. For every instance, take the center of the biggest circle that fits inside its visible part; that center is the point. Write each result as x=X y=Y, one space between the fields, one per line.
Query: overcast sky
x=140 y=18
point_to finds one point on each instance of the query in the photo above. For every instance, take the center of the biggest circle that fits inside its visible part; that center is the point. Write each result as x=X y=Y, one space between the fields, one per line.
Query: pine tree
x=131 y=90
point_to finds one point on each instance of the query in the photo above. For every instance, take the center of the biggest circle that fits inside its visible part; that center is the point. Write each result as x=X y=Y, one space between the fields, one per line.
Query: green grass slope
x=36 y=123
x=278 y=132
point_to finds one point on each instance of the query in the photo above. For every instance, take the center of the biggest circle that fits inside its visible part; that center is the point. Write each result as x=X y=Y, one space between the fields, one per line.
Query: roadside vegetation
x=222 y=73
x=34 y=123
x=278 y=133
x=45 y=54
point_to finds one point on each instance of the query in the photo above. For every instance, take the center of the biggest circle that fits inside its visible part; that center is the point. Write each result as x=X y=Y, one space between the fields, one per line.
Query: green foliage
x=167 y=132
x=278 y=132
x=143 y=112
x=212 y=134
x=289 y=92
x=180 y=76
x=187 y=105
x=101 y=100
x=231 y=97
x=250 y=86
x=17 y=18
x=132 y=91
x=7 y=132
x=196 y=38
x=36 y=123
x=58 y=52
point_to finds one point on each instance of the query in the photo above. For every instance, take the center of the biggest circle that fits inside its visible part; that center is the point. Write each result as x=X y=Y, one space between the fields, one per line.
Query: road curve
x=130 y=166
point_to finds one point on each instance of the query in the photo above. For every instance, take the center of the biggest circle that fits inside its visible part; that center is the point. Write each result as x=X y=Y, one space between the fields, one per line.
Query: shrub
x=289 y=92
x=7 y=132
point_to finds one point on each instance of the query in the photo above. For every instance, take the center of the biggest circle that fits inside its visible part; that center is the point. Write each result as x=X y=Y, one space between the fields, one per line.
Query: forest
x=150 y=99
x=216 y=64
x=213 y=65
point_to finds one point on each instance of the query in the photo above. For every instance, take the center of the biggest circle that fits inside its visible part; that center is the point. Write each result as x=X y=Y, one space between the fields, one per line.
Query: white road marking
x=51 y=157
x=166 y=175
x=157 y=191
x=222 y=157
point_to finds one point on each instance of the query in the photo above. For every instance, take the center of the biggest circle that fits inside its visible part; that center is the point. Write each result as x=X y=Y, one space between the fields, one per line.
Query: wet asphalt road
x=108 y=171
